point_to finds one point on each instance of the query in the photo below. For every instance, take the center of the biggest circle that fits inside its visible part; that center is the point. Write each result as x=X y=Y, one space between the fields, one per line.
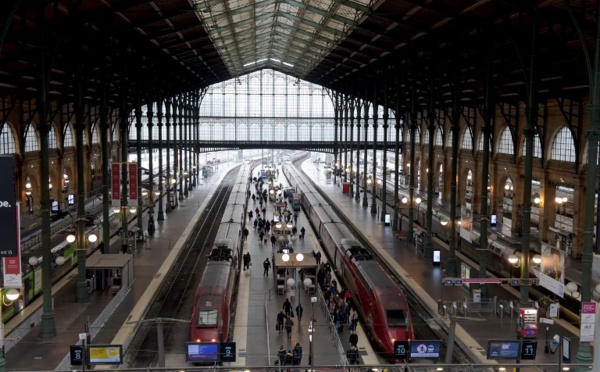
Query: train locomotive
x=213 y=302
x=378 y=298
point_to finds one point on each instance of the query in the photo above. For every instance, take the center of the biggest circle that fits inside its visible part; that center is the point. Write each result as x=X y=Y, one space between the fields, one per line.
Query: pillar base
x=365 y=202
x=374 y=208
x=584 y=355
x=47 y=326
x=161 y=216
x=383 y=212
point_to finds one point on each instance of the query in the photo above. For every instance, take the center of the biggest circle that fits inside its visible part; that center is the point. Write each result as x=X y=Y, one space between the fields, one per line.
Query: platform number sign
x=528 y=350
x=227 y=352
x=76 y=355
x=401 y=350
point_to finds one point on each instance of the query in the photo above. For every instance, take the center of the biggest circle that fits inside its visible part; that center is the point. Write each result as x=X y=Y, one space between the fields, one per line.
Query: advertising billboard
x=9 y=229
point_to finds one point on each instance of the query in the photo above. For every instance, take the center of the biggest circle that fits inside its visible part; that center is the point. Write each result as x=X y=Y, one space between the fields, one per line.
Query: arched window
x=467 y=140
x=417 y=135
x=68 y=137
x=537 y=147
x=52 y=142
x=7 y=140
x=31 y=141
x=563 y=147
x=96 y=137
x=480 y=146
x=439 y=141
x=506 y=145
x=450 y=137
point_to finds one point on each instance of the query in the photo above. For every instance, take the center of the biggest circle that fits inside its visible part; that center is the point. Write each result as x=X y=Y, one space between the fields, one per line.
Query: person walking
x=281 y=355
x=245 y=233
x=302 y=232
x=273 y=240
x=287 y=307
x=297 y=353
x=353 y=339
x=280 y=321
x=299 y=311
x=246 y=260
x=266 y=266
x=250 y=215
x=318 y=258
x=289 y=323
x=352 y=355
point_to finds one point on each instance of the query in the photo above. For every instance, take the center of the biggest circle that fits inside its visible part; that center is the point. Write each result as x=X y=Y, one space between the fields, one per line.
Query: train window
x=207 y=318
x=396 y=318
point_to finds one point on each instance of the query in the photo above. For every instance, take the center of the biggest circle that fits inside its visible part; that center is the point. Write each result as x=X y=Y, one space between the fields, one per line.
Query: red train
x=380 y=300
x=212 y=303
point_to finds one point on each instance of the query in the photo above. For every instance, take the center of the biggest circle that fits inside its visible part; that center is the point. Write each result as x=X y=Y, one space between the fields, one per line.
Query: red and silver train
x=380 y=300
x=211 y=317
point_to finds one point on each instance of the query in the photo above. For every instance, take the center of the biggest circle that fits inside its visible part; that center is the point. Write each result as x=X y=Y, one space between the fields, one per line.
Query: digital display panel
x=54 y=206
x=504 y=349
x=493 y=220
x=105 y=354
x=425 y=349
x=202 y=352
x=71 y=199
x=437 y=257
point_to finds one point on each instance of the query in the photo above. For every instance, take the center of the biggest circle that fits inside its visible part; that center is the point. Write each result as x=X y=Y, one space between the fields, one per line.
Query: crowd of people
x=339 y=300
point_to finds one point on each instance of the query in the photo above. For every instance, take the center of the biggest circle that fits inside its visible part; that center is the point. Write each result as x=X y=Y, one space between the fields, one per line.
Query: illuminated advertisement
x=105 y=354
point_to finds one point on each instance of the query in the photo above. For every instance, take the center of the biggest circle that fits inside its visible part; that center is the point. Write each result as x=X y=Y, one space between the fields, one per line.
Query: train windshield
x=207 y=318
x=396 y=318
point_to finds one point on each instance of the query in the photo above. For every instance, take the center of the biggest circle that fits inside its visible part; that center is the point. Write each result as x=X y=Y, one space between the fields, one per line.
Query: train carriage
x=380 y=300
x=213 y=300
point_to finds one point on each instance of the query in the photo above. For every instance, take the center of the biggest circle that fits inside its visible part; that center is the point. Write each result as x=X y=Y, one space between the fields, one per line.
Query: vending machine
x=527 y=323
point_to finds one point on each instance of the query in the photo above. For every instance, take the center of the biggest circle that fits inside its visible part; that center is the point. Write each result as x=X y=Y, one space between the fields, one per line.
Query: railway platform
x=259 y=302
x=475 y=325
x=104 y=317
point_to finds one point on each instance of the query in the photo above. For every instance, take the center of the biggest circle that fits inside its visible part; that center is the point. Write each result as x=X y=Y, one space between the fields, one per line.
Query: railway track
x=426 y=325
x=175 y=298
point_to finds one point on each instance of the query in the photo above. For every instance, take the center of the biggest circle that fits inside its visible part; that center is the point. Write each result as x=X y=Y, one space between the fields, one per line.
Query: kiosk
x=527 y=323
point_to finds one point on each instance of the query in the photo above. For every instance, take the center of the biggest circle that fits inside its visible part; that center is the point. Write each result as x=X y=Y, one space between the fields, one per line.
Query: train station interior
x=460 y=138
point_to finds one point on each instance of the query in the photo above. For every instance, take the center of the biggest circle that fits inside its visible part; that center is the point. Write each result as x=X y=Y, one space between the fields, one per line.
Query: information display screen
x=425 y=349
x=105 y=354
x=202 y=352
x=504 y=349
x=437 y=257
